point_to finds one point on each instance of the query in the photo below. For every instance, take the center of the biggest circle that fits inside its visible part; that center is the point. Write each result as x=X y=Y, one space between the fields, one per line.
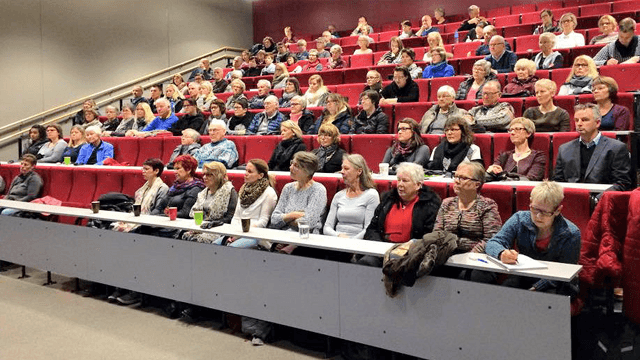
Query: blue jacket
x=441 y=69
x=564 y=246
x=273 y=123
x=105 y=150
x=161 y=124
x=343 y=122
x=506 y=63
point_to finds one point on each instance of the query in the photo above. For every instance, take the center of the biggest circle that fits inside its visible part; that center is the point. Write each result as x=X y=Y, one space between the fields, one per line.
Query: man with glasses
x=402 y=89
x=625 y=50
x=268 y=121
x=593 y=158
x=501 y=59
x=219 y=149
x=241 y=118
x=494 y=116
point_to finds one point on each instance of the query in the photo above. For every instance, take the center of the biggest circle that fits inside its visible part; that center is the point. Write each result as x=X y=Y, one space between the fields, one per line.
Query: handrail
x=18 y=126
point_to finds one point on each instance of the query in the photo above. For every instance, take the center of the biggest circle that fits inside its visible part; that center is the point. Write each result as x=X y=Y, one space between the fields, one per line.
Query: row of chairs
x=98 y=181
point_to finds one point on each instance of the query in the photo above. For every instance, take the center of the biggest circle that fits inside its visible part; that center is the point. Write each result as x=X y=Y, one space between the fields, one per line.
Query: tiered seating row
x=78 y=186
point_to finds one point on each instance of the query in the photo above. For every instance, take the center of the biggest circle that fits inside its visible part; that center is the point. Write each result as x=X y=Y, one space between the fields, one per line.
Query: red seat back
x=351 y=91
x=437 y=83
x=410 y=110
x=260 y=147
x=132 y=180
x=151 y=147
x=432 y=140
x=362 y=60
x=371 y=147
x=125 y=149
x=484 y=142
x=627 y=75
x=169 y=144
x=559 y=139
x=510 y=20
x=109 y=180
x=541 y=142
x=503 y=196
x=595 y=9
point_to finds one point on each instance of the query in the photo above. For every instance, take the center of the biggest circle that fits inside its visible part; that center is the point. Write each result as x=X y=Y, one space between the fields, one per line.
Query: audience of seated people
x=329 y=153
x=407 y=147
x=268 y=121
x=476 y=34
x=51 y=152
x=471 y=87
x=547 y=58
x=624 y=50
x=456 y=147
x=546 y=116
x=607 y=25
x=474 y=18
x=493 y=115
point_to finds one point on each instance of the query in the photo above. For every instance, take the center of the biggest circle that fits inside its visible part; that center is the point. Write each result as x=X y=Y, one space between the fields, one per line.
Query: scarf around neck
x=325 y=153
x=249 y=193
x=450 y=155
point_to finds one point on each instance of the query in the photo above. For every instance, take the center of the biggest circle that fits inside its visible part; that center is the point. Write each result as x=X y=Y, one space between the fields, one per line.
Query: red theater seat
x=132 y=180
x=484 y=142
x=516 y=31
x=510 y=20
x=260 y=146
x=387 y=35
x=595 y=9
x=423 y=85
x=530 y=18
x=108 y=181
x=125 y=149
x=503 y=196
x=169 y=144
x=331 y=184
x=522 y=8
x=432 y=140
x=237 y=179
x=627 y=75
x=554 y=4
x=411 y=110
x=151 y=147
x=351 y=91
x=85 y=181
x=559 y=139
x=439 y=188
x=626 y=6
x=372 y=147
x=362 y=60
x=460 y=50
x=501 y=11
x=527 y=42
x=590 y=50
x=437 y=83
x=241 y=145
x=356 y=75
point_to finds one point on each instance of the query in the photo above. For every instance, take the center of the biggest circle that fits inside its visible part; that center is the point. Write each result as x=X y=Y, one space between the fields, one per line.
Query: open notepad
x=524 y=263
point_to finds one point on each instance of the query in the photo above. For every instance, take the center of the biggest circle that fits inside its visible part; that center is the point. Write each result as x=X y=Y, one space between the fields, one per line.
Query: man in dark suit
x=593 y=158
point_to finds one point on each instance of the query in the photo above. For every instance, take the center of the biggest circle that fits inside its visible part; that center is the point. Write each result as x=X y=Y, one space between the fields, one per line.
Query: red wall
x=312 y=16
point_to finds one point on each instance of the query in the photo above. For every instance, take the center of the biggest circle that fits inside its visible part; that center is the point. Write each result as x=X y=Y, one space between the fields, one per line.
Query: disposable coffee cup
x=95 y=206
x=136 y=209
x=198 y=216
x=384 y=169
x=303 y=228
x=67 y=160
x=173 y=213
x=246 y=224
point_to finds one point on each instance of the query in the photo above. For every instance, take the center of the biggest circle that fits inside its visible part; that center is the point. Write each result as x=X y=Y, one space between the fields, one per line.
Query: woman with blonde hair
x=352 y=209
x=175 y=97
x=607 y=25
x=523 y=84
x=76 y=140
x=581 y=77
x=329 y=153
x=204 y=101
x=568 y=38
x=336 y=112
x=179 y=82
x=434 y=40
x=317 y=93
x=393 y=55
x=363 y=42
x=336 y=61
x=546 y=116
x=280 y=76
x=291 y=143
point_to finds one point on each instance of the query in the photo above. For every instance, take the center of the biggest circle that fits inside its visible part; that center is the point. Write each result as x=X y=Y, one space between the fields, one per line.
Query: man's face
x=163 y=109
x=218 y=74
x=625 y=37
x=205 y=64
x=262 y=89
x=136 y=92
x=270 y=107
x=496 y=47
x=490 y=94
x=327 y=36
x=399 y=78
x=426 y=21
x=216 y=133
x=193 y=90
x=282 y=49
x=186 y=139
x=25 y=166
x=155 y=93
x=111 y=113
x=586 y=125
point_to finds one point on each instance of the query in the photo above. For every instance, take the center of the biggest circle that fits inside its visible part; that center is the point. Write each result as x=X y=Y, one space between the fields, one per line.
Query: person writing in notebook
x=541 y=233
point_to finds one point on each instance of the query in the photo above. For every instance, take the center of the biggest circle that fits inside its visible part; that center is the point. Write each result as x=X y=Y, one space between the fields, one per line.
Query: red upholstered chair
x=382 y=186
x=595 y=9
x=530 y=18
x=432 y=140
x=86 y=179
x=466 y=64
x=331 y=184
x=485 y=143
x=351 y=91
x=439 y=188
x=169 y=144
x=437 y=83
x=559 y=76
x=237 y=179
x=363 y=60
x=627 y=75
x=371 y=147
x=526 y=42
x=151 y=147
x=465 y=104
x=423 y=86
x=522 y=8
x=516 y=31
x=349 y=40
x=510 y=20
x=387 y=35
x=125 y=149
x=502 y=143
x=590 y=50
x=132 y=180
x=523 y=193
x=332 y=77
x=553 y=4
x=517 y=104
x=559 y=139
x=619 y=6
x=411 y=110
x=241 y=145
x=498 y=12
x=578 y=207
x=108 y=180
x=355 y=76
x=503 y=196
x=260 y=146
x=460 y=50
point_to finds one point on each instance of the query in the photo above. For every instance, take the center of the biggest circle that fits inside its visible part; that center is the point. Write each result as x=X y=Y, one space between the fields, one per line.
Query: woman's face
x=237 y=89
x=372 y=79
x=435 y=57
x=169 y=92
x=367 y=104
x=267 y=43
x=148 y=173
x=464 y=181
x=405 y=133
x=314 y=85
x=89 y=116
x=126 y=113
x=407 y=189
x=332 y=106
x=208 y=179
x=394 y=47
x=52 y=133
x=567 y=25
x=287 y=32
x=453 y=134
x=289 y=88
x=286 y=133
x=606 y=27
x=543 y=95
x=325 y=139
x=546 y=19
x=478 y=73
x=177 y=80
x=296 y=172
x=444 y=100
x=313 y=58
x=522 y=73
x=34 y=134
x=290 y=60
x=546 y=45
x=111 y=113
x=406 y=60
x=580 y=67
x=204 y=90
x=543 y=214
x=251 y=174
x=600 y=92
x=433 y=42
x=350 y=173
x=518 y=134
x=76 y=135
x=362 y=43
x=335 y=55
x=181 y=174
x=139 y=111
x=215 y=110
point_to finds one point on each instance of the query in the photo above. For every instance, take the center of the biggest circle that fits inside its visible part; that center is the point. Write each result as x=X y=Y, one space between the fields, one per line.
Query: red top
x=397 y=225
x=543 y=244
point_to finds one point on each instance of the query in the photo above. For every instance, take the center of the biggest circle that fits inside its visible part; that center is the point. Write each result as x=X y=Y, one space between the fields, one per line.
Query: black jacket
x=187 y=122
x=424 y=214
x=244 y=121
x=283 y=153
x=334 y=164
x=409 y=93
x=219 y=86
x=183 y=199
x=306 y=121
x=377 y=123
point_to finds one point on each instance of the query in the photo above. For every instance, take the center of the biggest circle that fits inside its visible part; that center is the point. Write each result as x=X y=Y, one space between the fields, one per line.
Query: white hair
x=163 y=100
x=415 y=171
x=217 y=123
x=94 y=129
x=264 y=81
x=272 y=98
x=447 y=89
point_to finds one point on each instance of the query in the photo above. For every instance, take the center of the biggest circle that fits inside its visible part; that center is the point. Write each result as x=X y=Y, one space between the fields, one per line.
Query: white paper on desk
x=524 y=263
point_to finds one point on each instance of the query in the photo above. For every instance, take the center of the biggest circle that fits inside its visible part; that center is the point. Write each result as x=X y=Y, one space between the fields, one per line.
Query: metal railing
x=13 y=132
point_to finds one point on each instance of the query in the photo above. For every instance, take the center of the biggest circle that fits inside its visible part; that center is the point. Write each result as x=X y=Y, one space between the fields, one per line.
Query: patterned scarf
x=179 y=186
x=325 y=153
x=218 y=202
x=250 y=192
x=403 y=149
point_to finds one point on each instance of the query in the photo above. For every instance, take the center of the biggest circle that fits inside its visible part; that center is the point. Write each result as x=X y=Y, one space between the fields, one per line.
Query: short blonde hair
x=437 y=36
x=549 y=193
x=571 y=17
x=331 y=130
x=239 y=82
x=547 y=84
x=336 y=49
x=293 y=127
x=363 y=37
x=550 y=36
x=219 y=172
x=527 y=64
x=610 y=18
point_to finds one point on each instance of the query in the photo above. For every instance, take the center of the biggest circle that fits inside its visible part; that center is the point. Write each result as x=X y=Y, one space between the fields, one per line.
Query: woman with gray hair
x=301 y=199
x=547 y=58
x=352 y=209
x=300 y=115
x=238 y=87
x=406 y=212
x=95 y=151
x=363 y=42
x=291 y=143
x=471 y=88
x=434 y=119
x=127 y=123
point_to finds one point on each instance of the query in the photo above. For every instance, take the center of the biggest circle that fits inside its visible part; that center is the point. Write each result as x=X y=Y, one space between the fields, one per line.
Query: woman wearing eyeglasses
x=568 y=38
x=456 y=147
x=607 y=25
x=541 y=233
x=473 y=218
x=581 y=77
x=330 y=152
x=408 y=146
x=522 y=160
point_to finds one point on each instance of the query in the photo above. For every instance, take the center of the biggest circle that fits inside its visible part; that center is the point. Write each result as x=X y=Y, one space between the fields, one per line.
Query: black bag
x=113 y=201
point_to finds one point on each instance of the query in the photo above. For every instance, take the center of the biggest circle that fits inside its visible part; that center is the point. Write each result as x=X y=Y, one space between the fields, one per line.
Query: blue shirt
x=105 y=150
x=161 y=124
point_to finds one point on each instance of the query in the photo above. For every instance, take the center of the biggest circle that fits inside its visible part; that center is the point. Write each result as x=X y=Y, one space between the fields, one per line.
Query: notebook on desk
x=524 y=263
